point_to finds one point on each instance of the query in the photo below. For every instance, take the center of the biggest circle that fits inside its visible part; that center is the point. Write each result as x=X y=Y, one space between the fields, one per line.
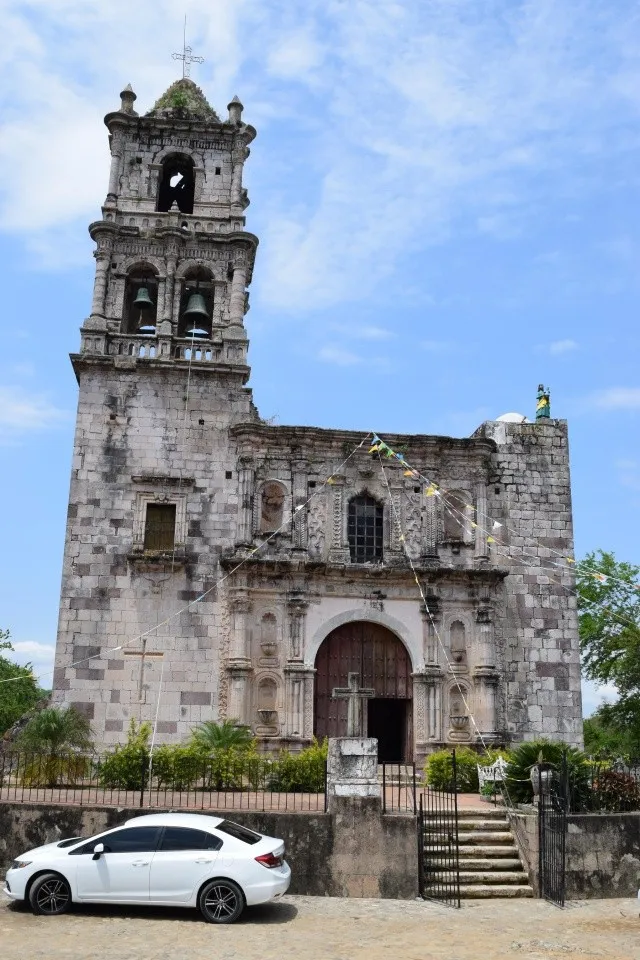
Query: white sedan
x=161 y=859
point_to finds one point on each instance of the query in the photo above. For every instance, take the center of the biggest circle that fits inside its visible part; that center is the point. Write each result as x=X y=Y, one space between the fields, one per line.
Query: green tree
x=56 y=730
x=19 y=691
x=221 y=736
x=609 y=618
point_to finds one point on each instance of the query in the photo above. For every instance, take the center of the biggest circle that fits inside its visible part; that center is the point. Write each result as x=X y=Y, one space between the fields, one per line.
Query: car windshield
x=238 y=831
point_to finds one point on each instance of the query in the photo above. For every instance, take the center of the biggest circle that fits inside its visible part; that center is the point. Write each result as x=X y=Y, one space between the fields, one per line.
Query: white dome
x=512 y=418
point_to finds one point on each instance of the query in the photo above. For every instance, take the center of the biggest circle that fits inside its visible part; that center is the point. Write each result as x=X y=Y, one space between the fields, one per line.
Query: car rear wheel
x=221 y=901
x=50 y=895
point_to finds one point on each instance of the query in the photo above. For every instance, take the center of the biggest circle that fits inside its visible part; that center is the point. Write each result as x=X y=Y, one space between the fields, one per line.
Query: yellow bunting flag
x=490 y=540
x=569 y=559
x=374 y=448
x=474 y=525
x=330 y=480
x=431 y=490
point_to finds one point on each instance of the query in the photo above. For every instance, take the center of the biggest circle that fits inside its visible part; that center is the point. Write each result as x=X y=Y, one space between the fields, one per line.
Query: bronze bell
x=143 y=301
x=197 y=315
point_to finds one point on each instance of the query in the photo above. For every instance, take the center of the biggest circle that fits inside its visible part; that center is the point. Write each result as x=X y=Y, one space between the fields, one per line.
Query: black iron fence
x=224 y=781
x=399 y=788
x=438 y=855
x=552 y=830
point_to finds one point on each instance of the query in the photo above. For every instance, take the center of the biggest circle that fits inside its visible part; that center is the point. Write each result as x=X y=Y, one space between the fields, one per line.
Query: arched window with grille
x=365 y=529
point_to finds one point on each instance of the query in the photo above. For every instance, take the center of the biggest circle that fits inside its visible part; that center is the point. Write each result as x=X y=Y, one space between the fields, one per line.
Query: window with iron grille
x=365 y=527
x=160 y=526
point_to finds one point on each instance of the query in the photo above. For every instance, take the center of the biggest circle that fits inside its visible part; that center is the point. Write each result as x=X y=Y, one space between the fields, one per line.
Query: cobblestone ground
x=332 y=929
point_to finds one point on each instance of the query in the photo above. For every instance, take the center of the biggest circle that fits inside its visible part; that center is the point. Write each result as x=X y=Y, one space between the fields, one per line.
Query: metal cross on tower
x=187 y=55
x=354 y=694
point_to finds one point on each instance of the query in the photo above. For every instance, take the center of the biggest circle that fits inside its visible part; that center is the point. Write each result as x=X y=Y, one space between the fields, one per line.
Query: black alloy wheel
x=50 y=895
x=221 y=901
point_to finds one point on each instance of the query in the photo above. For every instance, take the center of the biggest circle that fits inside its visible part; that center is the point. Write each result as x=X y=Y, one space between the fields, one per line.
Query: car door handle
x=203 y=860
x=140 y=863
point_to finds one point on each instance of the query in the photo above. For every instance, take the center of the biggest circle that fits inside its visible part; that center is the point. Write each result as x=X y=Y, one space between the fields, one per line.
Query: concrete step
x=477 y=837
x=504 y=850
x=476 y=891
x=491 y=813
x=519 y=877
x=483 y=863
x=466 y=825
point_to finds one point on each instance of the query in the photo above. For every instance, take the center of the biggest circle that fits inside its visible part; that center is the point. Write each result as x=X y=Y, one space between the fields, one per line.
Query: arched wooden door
x=382 y=663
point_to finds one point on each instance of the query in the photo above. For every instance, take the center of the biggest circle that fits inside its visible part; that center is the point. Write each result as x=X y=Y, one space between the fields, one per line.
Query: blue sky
x=446 y=195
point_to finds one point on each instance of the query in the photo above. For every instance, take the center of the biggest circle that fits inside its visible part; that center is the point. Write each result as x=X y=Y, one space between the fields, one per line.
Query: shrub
x=615 y=792
x=56 y=730
x=438 y=772
x=527 y=755
x=125 y=767
x=220 y=736
x=302 y=772
x=55 y=770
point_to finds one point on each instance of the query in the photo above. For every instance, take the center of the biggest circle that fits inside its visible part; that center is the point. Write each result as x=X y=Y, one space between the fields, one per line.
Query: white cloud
x=616 y=398
x=595 y=694
x=295 y=55
x=24 y=412
x=39 y=655
x=339 y=356
x=562 y=346
x=414 y=120
x=629 y=473
x=362 y=332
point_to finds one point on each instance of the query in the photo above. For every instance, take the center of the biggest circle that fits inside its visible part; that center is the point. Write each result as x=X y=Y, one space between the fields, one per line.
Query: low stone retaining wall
x=602 y=853
x=354 y=851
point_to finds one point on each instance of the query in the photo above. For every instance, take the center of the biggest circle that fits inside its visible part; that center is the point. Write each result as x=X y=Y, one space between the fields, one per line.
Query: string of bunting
x=433 y=490
x=328 y=481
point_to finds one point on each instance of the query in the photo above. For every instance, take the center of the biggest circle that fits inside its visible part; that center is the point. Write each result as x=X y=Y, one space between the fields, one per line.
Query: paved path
x=333 y=929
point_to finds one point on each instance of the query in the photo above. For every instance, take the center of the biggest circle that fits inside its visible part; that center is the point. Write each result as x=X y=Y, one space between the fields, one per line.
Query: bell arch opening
x=383 y=668
x=177 y=184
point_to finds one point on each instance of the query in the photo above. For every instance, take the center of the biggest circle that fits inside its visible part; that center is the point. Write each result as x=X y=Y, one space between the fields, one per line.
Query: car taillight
x=270 y=860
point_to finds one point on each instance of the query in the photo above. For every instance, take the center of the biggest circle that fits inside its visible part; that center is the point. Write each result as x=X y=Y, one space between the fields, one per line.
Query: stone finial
x=235 y=109
x=127 y=98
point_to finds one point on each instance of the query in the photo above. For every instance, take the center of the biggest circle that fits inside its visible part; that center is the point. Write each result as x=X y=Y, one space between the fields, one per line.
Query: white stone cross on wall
x=354 y=694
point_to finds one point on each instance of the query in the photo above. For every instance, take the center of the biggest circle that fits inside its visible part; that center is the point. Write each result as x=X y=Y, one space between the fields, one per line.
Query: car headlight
x=19 y=864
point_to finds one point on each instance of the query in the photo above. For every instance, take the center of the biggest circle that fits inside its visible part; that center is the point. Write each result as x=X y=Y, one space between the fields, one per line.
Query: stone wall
x=353 y=852
x=602 y=853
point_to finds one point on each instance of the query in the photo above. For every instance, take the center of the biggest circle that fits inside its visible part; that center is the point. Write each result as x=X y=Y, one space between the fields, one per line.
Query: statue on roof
x=543 y=405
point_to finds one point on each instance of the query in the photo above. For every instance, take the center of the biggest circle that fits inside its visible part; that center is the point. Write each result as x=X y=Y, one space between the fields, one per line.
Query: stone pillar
x=433 y=679
x=237 y=299
x=167 y=315
x=239 y=663
x=482 y=547
x=238 y=157
x=299 y=531
x=430 y=619
x=486 y=681
x=116 y=166
x=430 y=527
x=244 y=534
x=297 y=608
x=352 y=769
x=339 y=551
x=295 y=679
x=103 y=258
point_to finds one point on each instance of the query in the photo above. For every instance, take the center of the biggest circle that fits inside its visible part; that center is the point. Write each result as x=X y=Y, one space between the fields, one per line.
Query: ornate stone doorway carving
x=382 y=662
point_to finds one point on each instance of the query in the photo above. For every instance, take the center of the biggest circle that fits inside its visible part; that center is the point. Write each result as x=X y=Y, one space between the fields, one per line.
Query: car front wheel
x=221 y=901
x=50 y=895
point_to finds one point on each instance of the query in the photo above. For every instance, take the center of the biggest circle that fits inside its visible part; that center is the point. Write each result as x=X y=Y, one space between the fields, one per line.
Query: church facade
x=219 y=566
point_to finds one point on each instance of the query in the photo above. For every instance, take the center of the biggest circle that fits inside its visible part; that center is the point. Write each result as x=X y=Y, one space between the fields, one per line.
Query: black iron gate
x=438 y=862
x=552 y=831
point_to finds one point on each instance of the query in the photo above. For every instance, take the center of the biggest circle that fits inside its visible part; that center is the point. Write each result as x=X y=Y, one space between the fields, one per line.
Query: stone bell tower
x=161 y=370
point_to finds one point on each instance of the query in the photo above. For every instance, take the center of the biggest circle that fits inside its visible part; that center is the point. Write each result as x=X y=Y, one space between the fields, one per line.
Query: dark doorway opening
x=387 y=722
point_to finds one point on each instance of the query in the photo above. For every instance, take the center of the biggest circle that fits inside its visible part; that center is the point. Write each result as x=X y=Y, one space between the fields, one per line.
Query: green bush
x=615 y=792
x=527 y=755
x=125 y=767
x=57 y=770
x=302 y=772
x=439 y=770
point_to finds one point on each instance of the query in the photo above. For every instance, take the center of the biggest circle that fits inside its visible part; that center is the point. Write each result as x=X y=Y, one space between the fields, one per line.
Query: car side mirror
x=97 y=851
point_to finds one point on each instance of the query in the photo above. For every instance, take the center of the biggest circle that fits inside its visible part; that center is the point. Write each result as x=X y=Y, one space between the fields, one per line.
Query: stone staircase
x=490 y=864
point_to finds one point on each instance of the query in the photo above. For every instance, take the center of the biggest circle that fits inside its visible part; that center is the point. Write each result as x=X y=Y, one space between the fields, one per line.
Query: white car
x=161 y=859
